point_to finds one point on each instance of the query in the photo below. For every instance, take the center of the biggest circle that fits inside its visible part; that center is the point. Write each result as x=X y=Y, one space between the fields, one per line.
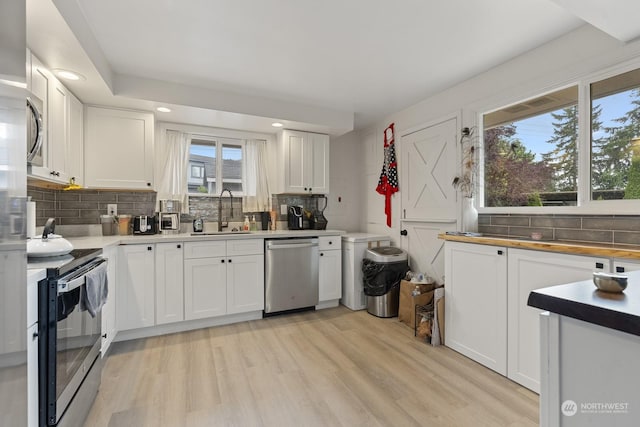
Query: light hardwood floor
x=332 y=367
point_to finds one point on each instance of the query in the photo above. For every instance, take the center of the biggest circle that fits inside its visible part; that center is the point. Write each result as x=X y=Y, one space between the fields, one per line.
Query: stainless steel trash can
x=383 y=268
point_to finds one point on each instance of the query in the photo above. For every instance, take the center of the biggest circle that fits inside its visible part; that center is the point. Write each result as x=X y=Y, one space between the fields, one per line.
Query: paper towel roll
x=31 y=219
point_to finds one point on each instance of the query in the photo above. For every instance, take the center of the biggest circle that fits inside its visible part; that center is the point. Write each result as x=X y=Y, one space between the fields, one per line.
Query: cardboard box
x=408 y=302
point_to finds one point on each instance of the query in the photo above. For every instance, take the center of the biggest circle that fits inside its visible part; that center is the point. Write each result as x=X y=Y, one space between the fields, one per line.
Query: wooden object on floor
x=333 y=367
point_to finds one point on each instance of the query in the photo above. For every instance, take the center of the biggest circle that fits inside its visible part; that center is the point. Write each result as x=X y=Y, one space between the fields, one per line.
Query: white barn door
x=429 y=205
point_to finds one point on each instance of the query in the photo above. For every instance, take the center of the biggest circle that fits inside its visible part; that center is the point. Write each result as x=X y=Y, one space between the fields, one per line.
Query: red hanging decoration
x=388 y=182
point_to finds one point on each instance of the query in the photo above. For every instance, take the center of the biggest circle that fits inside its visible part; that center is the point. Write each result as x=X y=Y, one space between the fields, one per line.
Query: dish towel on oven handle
x=93 y=294
x=388 y=182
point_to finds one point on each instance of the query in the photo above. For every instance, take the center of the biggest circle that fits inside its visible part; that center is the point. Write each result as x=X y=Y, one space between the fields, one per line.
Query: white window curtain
x=172 y=161
x=256 y=183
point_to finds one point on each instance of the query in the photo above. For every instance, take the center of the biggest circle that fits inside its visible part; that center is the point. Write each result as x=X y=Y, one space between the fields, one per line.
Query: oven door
x=70 y=348
x=77 y=346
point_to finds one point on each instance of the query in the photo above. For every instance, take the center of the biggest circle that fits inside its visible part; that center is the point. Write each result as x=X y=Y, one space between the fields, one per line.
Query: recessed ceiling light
x=68 y=74
x=164 y=109
x=277 y=125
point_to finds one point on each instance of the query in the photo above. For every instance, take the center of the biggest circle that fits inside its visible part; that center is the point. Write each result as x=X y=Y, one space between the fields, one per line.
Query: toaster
x=144 y=224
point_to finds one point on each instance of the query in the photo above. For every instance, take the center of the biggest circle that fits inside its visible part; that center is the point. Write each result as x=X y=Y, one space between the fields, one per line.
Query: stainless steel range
x=69 y=360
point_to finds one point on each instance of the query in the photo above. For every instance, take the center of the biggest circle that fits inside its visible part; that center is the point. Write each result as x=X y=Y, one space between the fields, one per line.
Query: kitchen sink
x=220 y=233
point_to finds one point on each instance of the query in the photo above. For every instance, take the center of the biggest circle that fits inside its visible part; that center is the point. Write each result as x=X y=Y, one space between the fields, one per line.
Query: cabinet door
x=32 y=376
x=476 y=303
x=109 y=309
x=40 y=80
x=76 y=142
x=118 y=149
x=58 y=146
x=169 y=283
x=245 y=283
x=529 y=270
x=135 y=304
x=625 y=265
x=295 y=162
x=318 y=163
x=205 y=287
x=330 y=275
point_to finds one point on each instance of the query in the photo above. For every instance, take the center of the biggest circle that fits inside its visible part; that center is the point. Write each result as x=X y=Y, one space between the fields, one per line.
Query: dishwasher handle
x=291 y=245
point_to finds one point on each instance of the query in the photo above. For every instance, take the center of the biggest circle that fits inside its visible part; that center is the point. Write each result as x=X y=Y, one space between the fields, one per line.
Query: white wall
x=345 y=183
x=582 y=53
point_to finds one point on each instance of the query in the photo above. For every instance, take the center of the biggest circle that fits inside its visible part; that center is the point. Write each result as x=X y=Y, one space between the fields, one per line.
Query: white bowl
x=609 y=282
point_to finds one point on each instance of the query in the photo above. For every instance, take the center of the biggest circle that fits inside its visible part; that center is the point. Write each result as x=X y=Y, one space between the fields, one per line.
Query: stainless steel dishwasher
x=291 y=274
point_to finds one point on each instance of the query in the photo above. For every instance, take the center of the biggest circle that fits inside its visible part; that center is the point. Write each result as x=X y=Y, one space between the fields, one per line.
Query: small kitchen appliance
x=144 y=224
x=35 y=131
x=169 y=216
x=319 y=220
x=198 y=225
x=294 y=217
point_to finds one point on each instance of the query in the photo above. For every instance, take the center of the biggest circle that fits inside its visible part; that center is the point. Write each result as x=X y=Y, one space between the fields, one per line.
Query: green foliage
x=202 y=189
x=534 y=199
x=563 y=159
x=633 y=186
x=511 y=172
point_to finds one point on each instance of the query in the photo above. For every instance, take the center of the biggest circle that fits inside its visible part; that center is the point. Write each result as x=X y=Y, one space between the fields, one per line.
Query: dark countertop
x=582 y=301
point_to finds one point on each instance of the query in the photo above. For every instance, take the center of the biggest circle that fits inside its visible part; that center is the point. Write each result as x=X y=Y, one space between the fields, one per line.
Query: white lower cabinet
x=32 y=375
x=330 y=269
x=109 y=329
x=529 y=270
x=205 y=290
x=245 y=283
x=169 y=283
x=624 y=265
x=486 y=311
x=476 y=303
x=135 y=298
x=223 y=277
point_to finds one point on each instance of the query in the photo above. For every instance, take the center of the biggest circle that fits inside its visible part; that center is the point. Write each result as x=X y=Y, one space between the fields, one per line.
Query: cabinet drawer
x=245 y=247
x=208 y=249
x=329 y=242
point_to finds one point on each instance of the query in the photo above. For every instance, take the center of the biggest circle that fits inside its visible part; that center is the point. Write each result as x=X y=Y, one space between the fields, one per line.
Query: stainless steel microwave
x=35 y=131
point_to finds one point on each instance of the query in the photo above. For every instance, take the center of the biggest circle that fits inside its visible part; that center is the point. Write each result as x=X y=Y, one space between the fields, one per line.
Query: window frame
x=584 y=203
x=219 y=142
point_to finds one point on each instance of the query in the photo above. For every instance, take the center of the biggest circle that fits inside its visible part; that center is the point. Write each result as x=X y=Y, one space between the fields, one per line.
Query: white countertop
x=106 y=241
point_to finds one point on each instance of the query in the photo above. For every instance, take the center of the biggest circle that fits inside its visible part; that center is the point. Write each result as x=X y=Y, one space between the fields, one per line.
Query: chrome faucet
x=221 y=225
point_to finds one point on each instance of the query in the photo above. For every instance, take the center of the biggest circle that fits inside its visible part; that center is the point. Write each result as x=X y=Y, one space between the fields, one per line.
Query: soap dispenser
x=254 y=226
x=245 y=226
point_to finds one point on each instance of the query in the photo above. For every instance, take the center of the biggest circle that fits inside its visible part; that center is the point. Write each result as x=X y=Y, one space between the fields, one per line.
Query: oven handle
x=77 y=277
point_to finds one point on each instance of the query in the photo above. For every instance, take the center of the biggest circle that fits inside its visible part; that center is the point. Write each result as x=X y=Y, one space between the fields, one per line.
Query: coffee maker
x=169 y=217
x=294 y=217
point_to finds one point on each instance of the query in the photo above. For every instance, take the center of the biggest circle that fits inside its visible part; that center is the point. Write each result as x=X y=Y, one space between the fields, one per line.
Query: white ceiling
x=327 y=65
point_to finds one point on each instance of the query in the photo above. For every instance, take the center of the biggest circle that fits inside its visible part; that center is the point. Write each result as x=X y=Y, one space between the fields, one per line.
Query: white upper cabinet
x=302 y=164
x=118 y=149
x=76 y=140
x=58 y=142
x=63 y=128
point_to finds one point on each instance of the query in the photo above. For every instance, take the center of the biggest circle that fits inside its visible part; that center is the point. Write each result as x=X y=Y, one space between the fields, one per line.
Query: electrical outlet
x=283 y=209
x=112 y=209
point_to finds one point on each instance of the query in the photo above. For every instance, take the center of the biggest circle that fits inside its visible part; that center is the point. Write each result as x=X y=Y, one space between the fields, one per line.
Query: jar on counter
x=124 y=224
x=109 y=225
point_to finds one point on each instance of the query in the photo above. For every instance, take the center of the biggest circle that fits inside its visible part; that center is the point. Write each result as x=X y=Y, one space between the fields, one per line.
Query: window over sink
x=215 y=164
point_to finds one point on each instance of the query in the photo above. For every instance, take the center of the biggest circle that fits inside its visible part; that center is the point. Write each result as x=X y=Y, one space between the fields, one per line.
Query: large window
x=615 y=137
x=558 y=149
x=531 y=152
x=214 y=165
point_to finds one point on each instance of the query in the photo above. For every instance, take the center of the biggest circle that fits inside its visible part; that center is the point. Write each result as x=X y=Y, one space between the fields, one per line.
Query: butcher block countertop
x=567 y=247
